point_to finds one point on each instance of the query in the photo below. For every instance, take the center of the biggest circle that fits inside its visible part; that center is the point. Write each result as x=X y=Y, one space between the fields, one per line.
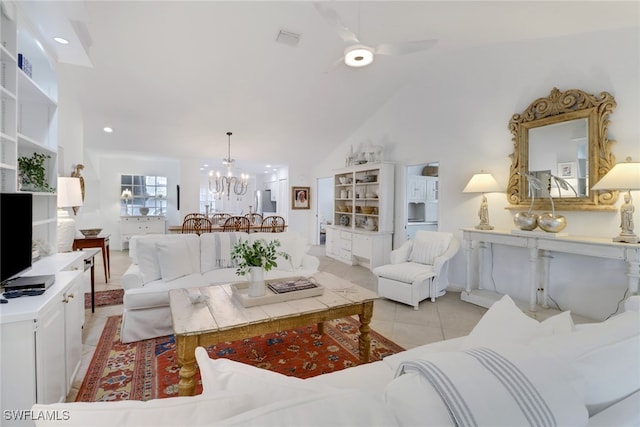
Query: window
x=144 y=192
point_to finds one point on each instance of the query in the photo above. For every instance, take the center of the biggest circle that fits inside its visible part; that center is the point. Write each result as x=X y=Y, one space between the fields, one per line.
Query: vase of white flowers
x=256 y=258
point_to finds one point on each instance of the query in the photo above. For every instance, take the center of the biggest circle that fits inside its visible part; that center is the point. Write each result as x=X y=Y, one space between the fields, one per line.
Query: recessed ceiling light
x=61 y=40
x=267 y=166
x=107 y=129
x=358 y=56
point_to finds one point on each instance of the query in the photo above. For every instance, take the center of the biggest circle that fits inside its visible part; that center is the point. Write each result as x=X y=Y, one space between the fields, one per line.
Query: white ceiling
x=172 y=77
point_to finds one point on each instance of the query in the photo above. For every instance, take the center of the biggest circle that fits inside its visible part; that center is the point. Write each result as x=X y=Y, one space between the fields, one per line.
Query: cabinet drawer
x=345 y=235
x=345 y=244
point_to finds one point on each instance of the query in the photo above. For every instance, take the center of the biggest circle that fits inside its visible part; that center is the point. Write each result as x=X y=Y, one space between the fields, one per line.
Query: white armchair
x=419 y=268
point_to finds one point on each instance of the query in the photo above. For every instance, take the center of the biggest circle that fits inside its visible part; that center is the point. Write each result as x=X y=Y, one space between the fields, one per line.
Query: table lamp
x=69 y=195
x=483 y=183
x=126 y=196
x=626 y=177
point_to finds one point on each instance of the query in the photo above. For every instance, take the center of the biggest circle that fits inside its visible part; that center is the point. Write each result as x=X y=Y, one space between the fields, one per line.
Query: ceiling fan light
x=359 y=56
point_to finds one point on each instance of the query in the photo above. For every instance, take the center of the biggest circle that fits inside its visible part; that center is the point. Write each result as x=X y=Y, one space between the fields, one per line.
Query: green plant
x=260 y=253
x=32 y=172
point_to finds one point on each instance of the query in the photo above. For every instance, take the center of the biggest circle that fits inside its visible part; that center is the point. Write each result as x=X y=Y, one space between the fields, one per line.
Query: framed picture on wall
x=567 y=170
x=300 y=197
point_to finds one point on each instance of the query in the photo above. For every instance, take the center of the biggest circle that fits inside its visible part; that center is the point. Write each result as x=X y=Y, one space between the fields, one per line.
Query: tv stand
x=42 y=337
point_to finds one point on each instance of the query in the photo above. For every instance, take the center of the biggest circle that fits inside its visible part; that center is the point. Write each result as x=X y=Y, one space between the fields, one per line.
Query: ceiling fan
x=360 y=55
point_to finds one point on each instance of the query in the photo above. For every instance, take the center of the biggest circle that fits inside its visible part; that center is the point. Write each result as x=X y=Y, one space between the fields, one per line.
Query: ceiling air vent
x=288 y=38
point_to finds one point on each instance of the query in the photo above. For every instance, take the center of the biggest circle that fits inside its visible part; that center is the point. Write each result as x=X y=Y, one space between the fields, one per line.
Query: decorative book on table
x=292 y=285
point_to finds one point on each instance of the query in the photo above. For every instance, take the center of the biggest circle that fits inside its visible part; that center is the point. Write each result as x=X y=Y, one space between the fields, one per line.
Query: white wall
x=458 y=112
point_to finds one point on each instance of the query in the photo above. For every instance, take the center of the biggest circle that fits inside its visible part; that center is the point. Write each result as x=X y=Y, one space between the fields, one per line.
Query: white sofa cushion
x=427 y=245
x=156 y=293
x=407 y=272
x=174 y=259
x=148 y=261
x=215 y=249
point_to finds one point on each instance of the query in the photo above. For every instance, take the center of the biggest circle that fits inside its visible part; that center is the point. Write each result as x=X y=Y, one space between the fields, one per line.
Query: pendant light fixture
x=228 y=183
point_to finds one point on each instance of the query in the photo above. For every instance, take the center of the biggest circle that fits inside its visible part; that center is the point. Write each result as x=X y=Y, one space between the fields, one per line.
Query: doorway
x=421 y=196
x=324 y=206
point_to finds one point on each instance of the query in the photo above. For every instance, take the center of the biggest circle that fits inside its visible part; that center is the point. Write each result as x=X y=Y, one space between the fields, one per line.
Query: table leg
x=93 y=286
x=104 y=263
x=321 y=328
x=186 y=352
x=365 y=338
x=108 y=260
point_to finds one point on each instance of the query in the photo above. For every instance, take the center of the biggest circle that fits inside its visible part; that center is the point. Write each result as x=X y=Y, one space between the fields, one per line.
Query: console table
x=540 y=245
x=100 y=241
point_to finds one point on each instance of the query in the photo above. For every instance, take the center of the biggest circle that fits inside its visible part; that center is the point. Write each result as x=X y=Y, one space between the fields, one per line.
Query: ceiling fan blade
x=335 y=65
x=332 y=18
x=404 y=47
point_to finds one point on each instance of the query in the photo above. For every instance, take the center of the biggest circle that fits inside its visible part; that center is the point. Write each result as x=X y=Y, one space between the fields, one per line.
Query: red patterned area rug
x=104 y=298
x=148 y=369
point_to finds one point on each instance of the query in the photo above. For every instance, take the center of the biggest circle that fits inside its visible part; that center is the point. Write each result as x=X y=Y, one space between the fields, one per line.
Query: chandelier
x=227 y=183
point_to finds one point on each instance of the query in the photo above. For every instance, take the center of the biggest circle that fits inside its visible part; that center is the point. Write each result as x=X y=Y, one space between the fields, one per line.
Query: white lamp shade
x=483 y=183
x=69 y=192
x=126 y=194
x=623 y=176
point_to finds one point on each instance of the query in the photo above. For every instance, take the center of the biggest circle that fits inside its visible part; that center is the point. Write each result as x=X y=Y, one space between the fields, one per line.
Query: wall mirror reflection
x=563 y=136
x=143 y=195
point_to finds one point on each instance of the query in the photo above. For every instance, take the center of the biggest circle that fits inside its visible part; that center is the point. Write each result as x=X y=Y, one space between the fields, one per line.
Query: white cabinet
x=432 y=184
x=28 y=117
x=42 y=340
x=363 y=214
x=140 y=225
x=416 y=188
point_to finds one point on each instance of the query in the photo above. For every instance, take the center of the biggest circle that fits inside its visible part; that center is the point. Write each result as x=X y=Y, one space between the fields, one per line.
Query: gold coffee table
x=222 y=318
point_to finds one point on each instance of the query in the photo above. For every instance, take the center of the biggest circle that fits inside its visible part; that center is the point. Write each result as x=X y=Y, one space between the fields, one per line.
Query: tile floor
x=448 y=317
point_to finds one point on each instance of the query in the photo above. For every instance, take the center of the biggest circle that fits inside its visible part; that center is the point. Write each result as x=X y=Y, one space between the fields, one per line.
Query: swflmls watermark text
x=31 y=415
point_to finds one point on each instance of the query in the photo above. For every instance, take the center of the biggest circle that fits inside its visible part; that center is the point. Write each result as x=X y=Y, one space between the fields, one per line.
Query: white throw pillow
x=503 y=323
x=605 y=355
x=148 y=261
x=291 y=243
x=174 y=259
x=428 y=245
x=496 y=387
x=216 y=249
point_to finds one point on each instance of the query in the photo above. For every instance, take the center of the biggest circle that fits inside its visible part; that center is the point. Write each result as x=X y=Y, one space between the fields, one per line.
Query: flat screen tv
x=15 y=234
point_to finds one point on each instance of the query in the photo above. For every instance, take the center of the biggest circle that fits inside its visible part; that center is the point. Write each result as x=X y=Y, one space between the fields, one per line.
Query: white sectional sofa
x=171 y=261
x=510 y=370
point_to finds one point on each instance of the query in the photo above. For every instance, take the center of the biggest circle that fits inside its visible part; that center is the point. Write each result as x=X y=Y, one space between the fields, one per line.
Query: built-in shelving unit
x=363 y=214
x=28 y=116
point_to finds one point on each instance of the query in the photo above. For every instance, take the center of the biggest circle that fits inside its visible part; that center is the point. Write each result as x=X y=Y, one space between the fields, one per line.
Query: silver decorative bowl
x=552 y=224
x=91 y=232
x=525 y=221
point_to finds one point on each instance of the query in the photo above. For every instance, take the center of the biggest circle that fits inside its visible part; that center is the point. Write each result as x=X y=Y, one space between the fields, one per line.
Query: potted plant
x=32 y=173
x=256 y=258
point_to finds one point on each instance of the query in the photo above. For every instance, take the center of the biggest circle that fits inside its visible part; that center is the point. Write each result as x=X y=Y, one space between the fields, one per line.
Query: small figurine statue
x=77 y=173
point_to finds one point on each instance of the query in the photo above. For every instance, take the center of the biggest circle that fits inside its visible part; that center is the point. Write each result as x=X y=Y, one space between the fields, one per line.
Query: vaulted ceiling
x=172 y=77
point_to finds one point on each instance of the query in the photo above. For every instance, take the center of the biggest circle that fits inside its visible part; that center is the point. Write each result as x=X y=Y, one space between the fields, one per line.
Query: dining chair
x=219 y=218
x=273 y=224
x=197 y=225
x=194 y=215
x=237 y=223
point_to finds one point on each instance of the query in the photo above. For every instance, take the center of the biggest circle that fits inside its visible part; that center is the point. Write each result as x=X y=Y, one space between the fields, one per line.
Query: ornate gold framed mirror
x=563 y=135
